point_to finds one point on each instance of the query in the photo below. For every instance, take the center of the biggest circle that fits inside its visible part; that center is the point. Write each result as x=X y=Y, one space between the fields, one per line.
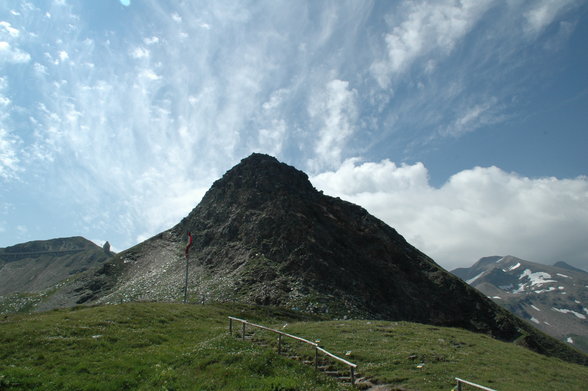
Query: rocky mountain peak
x=257 y=178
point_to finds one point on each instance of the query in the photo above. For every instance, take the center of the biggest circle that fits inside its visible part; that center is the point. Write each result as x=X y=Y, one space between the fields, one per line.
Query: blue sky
x=463 y=124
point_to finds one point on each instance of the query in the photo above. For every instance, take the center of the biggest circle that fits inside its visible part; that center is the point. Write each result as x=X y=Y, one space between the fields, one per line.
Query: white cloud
x=149 y=74
x=271 y=139
x=477 y=212
x=473 y=117
x=40 y=69
x=63 y=55
x=335 y=110
x=151 y=40
x=140 y=52
x=542 y=13
x=426 y=28
x=12 y=55
x=11 y=31
x=275 y=100
x=9 y=162
x=176 y=17
x=4 y=101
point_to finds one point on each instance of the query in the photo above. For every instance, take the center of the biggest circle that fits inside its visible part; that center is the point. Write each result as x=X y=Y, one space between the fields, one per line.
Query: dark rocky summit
x=263 y=234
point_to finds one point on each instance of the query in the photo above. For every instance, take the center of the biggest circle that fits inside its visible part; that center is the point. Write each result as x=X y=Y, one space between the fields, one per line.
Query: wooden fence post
x=243 y=336
x=279 y=343
x=316 y=357
x=230 y=326
x=352 y=375
x=458 y=385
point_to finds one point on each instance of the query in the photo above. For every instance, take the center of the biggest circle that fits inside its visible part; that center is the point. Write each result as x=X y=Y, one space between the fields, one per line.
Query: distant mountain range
x=552 y=298
x=263 y=234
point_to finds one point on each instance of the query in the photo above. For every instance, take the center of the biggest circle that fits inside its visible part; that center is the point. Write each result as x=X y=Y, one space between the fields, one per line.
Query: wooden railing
x=317 y=348
x=461 y=381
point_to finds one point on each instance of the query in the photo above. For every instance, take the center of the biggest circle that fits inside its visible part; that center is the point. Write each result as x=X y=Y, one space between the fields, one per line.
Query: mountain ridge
x=40 y=264
x=552 y=298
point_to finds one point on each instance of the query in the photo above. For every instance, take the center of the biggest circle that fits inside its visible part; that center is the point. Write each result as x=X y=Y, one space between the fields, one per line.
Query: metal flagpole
x=186 y=286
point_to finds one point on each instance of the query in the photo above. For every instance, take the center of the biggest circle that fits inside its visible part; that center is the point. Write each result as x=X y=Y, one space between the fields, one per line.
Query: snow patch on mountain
x=538 y=278
x=470 y=281
x=566 y=311
x=535 y=308
x=514 y=267
x=550 y=289
x=535 y=279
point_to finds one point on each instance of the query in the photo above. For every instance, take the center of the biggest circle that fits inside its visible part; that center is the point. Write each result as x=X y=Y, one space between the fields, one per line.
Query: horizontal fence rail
x=469 y=383
x=281 y=334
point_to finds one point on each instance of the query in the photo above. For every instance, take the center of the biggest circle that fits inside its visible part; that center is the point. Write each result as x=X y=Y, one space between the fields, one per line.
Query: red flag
x=189 y=244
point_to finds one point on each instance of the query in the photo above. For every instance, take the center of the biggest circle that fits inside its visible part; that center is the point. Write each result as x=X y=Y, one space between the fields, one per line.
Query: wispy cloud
x=9 y=162
x=472 y=117
x=9 y=54
x=6 y=28
x=425 y=28
x=541 y=14
x=334 y=109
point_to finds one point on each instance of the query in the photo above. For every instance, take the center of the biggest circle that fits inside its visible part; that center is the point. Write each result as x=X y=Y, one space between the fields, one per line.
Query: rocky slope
x=553 y=298
x=28 y=269
x=263 y=234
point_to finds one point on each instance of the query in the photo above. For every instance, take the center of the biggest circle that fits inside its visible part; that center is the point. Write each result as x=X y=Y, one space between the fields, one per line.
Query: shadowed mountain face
x=37 y=265
x=553 y=298
x=263 y=234
x=284 y=243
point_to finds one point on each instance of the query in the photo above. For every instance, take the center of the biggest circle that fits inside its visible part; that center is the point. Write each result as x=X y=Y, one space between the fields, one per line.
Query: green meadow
x=170 y=346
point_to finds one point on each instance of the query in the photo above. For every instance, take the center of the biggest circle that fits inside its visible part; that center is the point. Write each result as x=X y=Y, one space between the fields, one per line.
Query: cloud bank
x=478 y=212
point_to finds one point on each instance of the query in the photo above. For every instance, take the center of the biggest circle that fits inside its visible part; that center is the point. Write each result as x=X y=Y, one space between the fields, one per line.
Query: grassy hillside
x=149 y=346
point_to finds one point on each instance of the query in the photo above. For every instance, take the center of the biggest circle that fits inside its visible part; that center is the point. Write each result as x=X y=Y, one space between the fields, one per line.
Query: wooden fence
x=317 y=349
x=461 y=381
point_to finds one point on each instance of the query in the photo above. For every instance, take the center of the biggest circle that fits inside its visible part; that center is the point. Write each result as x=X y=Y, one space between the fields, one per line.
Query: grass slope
x=159 y=346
